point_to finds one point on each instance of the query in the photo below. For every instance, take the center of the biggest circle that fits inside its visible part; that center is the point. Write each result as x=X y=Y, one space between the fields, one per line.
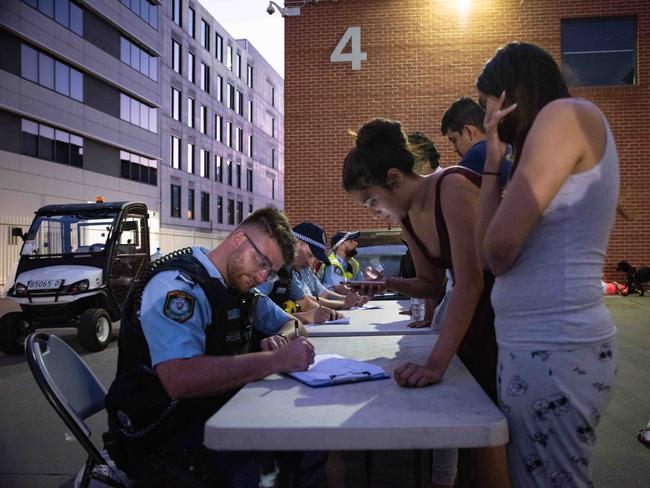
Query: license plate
x=43 y=284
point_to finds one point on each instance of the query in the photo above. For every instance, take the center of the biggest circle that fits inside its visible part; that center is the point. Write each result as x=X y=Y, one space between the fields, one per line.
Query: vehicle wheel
x=14 y=330
x=95 y=328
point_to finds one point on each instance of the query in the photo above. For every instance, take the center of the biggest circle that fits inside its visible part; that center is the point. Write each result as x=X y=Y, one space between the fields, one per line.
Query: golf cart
x=77 y=265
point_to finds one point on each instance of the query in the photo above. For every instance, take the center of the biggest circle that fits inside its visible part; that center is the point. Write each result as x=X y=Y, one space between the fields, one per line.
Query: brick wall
x=422 y=55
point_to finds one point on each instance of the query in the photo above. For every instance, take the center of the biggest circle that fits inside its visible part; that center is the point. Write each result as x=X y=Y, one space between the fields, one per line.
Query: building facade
x=349 y=61
x=91 y=100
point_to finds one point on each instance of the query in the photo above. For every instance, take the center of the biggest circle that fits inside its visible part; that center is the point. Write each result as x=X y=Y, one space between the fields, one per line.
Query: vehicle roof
x=84 y=207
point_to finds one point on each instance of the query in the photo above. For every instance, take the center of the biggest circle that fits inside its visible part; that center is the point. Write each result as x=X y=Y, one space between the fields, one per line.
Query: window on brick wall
x=231 y=211
x=190 y=158
x=205 y=206
x=175 y=201
x=218 y=168
x=190 y=204
x=175 y=152
x=219 y=210
x=599 y=51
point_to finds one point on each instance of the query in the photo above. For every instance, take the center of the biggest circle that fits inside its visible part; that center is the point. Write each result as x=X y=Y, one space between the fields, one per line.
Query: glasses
x=267 y=267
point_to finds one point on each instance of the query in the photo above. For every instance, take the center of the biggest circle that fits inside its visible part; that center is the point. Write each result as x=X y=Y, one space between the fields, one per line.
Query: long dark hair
x=531 y=78
x=380 y=145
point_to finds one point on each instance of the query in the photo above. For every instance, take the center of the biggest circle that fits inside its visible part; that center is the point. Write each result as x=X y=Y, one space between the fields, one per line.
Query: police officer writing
x=292 y=290
x=341 y=265
x=187 y=345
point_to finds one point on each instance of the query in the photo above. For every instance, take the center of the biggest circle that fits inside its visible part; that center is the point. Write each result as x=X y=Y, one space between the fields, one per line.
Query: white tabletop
x=279 y=413
x=384 y=320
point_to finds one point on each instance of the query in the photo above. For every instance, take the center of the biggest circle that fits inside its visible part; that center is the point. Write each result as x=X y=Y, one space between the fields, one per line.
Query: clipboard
x=334 y=369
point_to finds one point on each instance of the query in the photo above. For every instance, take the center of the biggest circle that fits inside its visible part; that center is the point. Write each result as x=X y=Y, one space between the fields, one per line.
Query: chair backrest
x=69 y=385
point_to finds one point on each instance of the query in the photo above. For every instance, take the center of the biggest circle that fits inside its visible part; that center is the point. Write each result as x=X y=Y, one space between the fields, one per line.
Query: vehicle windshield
x=69 y=234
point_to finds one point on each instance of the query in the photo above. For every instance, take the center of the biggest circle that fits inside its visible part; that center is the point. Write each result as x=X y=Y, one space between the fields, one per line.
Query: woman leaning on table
x=437 y=214
x=545 y=241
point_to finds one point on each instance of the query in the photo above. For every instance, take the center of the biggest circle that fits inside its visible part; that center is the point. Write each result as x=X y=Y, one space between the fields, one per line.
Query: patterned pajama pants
x=553 y=401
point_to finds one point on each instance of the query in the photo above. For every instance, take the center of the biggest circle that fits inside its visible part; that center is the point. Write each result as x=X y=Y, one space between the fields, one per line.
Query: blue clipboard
x=333 y=369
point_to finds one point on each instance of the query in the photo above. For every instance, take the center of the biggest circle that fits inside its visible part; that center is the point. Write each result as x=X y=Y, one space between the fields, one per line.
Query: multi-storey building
x=222 y=126
x=135 y=100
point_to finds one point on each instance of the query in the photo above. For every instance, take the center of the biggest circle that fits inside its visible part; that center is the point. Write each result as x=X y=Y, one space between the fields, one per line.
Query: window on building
x=599 y=51
x=190 y=21
x=238 y=175
x=272 y=126
x=204 y=170
x=229 y=134
x=138 y=168
x=48 y=72
x=138 y=113
x=249 y=179
x=218 y=128
x=229 y=171
x=231 y=211
x=205 y=34
x=175 y=200
x=203 y=120
x=218 y=168
x=190 y=67
x=273 y=189
x=45 y=142
x=205 y=78
x=218 y=47
x=190 y=203
x=239 y=139
x=219 y=210
x=190 y=158
x=205 y=206
x=139 y=59
x=176 y=13
x=272 y=96
x=272 y=157
x=249 y=76
x=64 y=12
x=229 y=57
x=238 y=65
x=250 y=208
x=249 y=115
x=219 y=88
x=190 y=112
x=176 y=56
x=230 y=97
x=175 y=152
x=147 y=11
x=176 y=104
x=240 y=212
x=250 y=145
x=240 y=103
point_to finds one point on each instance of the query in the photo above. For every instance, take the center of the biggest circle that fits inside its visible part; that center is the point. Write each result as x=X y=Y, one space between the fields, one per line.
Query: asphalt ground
x=36 y=452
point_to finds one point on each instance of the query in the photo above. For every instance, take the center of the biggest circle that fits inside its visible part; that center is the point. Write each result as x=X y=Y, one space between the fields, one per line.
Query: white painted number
x=355 y=56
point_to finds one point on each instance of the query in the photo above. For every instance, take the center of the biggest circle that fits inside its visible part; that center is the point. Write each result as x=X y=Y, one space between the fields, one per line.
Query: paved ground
x=34 y=451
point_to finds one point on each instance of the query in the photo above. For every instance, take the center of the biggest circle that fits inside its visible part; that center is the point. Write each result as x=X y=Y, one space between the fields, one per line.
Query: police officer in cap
x=341 y=265
x=291 y=290
x=187 y=344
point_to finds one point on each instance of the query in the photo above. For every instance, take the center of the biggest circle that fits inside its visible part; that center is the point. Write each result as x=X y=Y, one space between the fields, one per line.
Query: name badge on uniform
x=179 y=306
x=234 y=314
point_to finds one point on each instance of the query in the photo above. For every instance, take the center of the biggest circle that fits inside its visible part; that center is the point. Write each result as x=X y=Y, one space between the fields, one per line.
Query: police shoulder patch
x=338 y=271
x=179 y=306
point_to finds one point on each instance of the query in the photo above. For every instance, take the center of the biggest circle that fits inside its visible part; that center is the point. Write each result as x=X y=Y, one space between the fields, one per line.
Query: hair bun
x=380 y=132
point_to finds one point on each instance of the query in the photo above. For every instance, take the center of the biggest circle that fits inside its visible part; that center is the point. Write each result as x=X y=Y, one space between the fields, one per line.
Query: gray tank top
x=551 y=297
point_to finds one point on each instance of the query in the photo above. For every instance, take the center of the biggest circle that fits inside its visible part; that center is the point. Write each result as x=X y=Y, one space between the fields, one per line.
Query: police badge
x=179 y=306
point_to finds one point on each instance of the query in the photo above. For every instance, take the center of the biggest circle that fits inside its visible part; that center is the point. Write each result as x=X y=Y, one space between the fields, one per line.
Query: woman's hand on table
x=412 y=375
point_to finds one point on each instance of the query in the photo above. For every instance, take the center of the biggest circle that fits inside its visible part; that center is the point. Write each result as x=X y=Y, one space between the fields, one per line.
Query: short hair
x=274 y=223
x=380 y=145
x=464 y=111
x=423 y=149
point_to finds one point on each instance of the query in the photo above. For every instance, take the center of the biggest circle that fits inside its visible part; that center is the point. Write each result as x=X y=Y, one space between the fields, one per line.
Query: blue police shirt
x=175 y=312
x=295 y=293
x=331 y=277
x=474 y=159
x=311 y=285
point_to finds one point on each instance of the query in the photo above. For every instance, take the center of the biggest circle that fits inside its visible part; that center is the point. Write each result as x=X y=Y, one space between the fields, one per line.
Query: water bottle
x=417 y=308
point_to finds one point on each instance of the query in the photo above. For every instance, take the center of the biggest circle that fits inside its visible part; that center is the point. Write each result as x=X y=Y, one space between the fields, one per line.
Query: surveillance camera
x=270 y=10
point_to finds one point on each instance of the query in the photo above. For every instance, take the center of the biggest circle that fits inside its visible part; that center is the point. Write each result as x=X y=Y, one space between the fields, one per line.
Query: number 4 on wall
x=355 y=56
